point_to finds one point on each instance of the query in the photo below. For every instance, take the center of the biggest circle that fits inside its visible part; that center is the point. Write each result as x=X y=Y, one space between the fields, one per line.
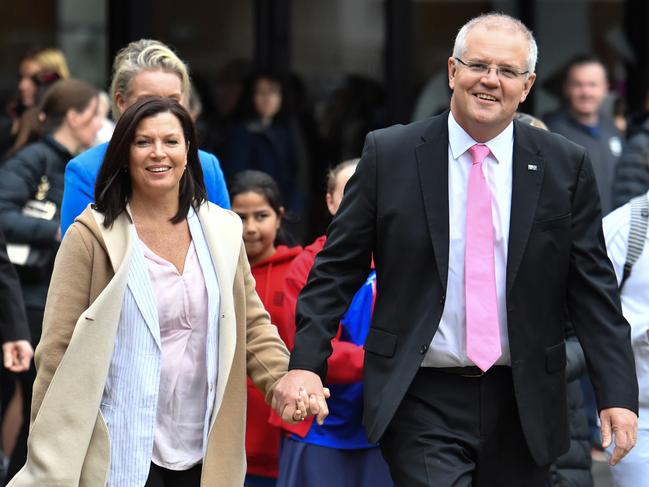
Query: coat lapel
x=432 y=161
x=119 y=239
x=528 y=167
x=223 y=234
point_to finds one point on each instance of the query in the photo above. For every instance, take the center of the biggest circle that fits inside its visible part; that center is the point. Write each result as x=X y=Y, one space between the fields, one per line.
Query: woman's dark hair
x=59 y=96
x=257 y=182
x=263 y=184
x=113 y=187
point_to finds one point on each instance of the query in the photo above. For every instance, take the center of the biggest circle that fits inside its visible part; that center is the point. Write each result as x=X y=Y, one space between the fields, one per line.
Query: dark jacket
x=13 y=321
x=572 y=469
x=632 y=172
x=19 y=179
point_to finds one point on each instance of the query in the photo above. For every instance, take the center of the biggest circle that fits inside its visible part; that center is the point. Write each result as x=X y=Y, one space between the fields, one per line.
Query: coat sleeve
x=594 y=304
x=266 y=353
x=340 y=268
x=78 y=192
x=67 y=298
x=13 y=320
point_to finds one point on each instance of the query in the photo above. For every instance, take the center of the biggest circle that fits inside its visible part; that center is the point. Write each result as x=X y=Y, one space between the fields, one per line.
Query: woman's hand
x=300 y=394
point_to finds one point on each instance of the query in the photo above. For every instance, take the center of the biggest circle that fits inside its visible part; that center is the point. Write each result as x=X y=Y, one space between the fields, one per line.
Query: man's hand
x=622 y=423
x=17 y=355
x=298 y=394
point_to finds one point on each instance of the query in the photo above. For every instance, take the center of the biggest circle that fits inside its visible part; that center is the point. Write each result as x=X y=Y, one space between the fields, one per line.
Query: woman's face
x=151 y=83
x=85 y=124
x=260 y=224
x=158 y=156
x=267 y=98
x=26 y=86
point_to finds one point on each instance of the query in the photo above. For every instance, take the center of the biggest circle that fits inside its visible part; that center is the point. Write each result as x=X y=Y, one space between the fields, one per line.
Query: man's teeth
x=484 y=96
x=158 y=169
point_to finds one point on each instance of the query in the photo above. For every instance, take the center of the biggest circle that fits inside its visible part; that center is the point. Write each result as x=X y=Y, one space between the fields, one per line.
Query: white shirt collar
x=460 y=142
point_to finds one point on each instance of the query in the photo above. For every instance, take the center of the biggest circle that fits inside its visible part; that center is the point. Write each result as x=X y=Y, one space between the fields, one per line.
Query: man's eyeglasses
x=484 y=68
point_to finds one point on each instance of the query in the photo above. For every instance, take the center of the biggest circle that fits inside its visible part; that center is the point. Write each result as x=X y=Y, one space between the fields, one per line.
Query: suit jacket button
x=442 y=299
x=423 y=349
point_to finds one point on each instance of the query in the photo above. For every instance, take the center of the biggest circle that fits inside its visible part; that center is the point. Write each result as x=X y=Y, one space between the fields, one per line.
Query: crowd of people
x=173 y=316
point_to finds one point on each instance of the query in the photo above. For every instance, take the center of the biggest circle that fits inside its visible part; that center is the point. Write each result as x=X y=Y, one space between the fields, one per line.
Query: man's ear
x=452 y=67
x=529 y=82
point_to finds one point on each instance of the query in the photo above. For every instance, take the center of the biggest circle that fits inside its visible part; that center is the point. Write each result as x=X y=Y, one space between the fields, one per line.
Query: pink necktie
x=482 y=331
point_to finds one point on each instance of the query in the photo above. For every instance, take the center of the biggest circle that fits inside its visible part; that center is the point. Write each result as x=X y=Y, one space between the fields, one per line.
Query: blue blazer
x=81 y=172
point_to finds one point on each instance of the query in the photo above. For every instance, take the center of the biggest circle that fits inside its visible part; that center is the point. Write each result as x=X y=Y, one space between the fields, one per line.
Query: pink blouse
x=182 y=306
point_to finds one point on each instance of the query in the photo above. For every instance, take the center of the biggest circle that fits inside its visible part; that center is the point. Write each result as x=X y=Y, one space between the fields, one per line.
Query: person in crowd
x=485 y=233
x=268 y=140
x=632 y=172
x=17 y=350
x=69 y=124
x=581 y=120
x=621 y=236
x=143 y=68
x=151 y=325
x=340 y=446
x=107 y=125
x=256 y=198
x=15 y=338
x=38 y=69
x=572 y=469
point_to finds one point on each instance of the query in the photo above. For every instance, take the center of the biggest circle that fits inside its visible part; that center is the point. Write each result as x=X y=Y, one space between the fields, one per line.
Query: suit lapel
x=528 y=167
x=432 y=162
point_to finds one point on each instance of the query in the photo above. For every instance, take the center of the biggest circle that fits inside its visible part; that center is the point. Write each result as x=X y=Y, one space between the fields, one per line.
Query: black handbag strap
x=637 y=234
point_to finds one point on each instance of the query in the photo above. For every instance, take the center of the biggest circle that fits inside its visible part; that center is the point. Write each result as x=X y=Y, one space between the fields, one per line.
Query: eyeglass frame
x=489 y=67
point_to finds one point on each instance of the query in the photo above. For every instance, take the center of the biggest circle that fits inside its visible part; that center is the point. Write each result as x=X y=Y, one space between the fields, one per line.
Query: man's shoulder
x=546 y=141
x=412 y=133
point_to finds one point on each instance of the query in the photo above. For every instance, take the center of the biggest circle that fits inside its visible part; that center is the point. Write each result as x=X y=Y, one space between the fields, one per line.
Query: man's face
x=484 y=104
x=585 y=88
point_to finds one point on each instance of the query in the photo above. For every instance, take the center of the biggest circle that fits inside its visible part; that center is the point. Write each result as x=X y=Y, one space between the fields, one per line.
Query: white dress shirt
x=635 y=299
x=448 y=347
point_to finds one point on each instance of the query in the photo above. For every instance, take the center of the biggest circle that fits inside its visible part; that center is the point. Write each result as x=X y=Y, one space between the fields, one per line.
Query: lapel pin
x=532 y=167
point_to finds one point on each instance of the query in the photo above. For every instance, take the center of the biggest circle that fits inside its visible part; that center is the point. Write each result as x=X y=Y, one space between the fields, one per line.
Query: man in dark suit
x=486 y=237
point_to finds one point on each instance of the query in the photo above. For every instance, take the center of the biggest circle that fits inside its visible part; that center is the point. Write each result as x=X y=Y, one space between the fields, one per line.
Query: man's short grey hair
x=498 y=20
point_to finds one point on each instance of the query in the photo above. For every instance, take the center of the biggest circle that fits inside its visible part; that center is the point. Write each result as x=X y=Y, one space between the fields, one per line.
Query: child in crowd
x=337 y=452
x=256 y=198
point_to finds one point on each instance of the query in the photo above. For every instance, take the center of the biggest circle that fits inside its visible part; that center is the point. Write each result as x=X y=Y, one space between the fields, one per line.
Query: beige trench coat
x=69 y=444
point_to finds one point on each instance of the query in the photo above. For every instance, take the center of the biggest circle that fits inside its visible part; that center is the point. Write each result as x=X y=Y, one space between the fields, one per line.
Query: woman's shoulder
x=214 y=211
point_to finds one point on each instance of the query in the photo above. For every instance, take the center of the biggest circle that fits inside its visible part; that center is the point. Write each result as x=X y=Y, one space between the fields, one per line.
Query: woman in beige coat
x=119 y=384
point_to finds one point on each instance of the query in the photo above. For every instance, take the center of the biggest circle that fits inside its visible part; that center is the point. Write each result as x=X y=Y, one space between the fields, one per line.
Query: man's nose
x=491 y=76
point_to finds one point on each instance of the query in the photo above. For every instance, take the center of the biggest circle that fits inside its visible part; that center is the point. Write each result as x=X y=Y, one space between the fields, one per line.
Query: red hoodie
x=345 y=364
x=262 y=439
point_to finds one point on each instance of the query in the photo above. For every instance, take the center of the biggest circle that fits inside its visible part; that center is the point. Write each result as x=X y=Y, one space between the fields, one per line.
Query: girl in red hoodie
x=255 y=197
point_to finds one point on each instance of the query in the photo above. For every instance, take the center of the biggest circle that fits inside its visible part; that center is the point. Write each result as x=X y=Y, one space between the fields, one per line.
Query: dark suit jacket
x=13 y=320
x=396 y=209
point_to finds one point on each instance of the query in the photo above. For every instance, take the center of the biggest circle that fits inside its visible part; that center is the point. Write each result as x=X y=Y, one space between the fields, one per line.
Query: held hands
x=623 y=424
x=17 y=355
x=299 y=394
